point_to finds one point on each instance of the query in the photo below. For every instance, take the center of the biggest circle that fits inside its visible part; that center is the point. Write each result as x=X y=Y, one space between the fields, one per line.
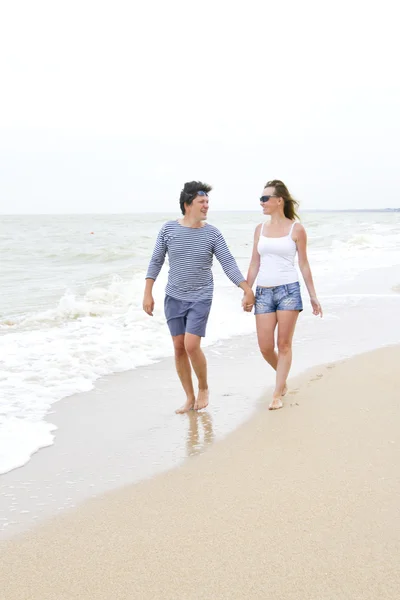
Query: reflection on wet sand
x=200 y=432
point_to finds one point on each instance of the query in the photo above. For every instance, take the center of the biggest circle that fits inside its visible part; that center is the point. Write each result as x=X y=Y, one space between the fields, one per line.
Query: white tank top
x=277 y=259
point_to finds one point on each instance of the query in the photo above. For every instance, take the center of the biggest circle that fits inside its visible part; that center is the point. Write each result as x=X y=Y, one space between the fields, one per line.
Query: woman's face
x=269 y=201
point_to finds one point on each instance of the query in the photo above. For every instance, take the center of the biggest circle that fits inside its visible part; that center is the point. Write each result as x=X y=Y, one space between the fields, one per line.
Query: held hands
x=148 y=304
x=248 y=301
x=317 y=308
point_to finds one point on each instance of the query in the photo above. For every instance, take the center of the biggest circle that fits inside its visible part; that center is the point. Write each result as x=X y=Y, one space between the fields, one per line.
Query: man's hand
x=248 y=301
x=148 y=303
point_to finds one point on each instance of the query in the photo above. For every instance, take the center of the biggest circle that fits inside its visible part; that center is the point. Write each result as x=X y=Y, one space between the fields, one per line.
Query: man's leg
x=175 y=312
x=199 y=364
x=184 y=371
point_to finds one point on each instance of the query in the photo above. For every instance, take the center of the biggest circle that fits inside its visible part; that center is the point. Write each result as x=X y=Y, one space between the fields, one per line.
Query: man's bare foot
x=276 y=403
x=201 y=400
x=189 y=405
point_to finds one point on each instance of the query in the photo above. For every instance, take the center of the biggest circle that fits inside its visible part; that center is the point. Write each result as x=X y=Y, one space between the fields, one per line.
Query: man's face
x=199 y=207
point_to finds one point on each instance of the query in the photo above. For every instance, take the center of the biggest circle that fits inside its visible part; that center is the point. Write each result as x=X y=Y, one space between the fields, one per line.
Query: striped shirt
x=190 y=252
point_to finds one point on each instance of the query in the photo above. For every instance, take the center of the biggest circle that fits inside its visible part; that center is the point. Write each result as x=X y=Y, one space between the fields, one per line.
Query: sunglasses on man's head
x=201 y=193
x=266 y=198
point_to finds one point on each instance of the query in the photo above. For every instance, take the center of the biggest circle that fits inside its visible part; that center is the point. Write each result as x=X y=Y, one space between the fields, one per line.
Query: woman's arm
x=254 y=265
x=300 y=237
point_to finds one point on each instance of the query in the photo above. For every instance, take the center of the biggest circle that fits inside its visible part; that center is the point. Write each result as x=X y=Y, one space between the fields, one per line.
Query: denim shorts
x=187 y=317
x=281 y=297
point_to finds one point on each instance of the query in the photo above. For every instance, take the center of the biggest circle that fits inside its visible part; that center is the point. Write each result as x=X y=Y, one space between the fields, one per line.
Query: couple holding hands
x=191 y=243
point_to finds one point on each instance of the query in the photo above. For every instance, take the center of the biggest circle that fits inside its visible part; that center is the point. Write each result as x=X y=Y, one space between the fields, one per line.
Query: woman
x=278 y=300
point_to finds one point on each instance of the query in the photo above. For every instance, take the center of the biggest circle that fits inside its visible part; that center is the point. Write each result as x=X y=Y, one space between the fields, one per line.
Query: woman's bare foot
x=189 y=405
x=285 y=389
x=276 y=403
x=201 y=400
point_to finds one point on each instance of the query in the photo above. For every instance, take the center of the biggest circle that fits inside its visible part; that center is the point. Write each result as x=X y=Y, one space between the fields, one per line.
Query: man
x=191 y=244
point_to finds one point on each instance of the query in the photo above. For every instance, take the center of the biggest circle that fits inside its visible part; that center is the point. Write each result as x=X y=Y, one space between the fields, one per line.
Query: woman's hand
x=317 y=308
x=248 y=301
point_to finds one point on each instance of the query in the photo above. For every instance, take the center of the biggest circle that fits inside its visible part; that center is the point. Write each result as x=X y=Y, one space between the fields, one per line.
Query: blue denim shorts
x=187 y=317
x=281 y=297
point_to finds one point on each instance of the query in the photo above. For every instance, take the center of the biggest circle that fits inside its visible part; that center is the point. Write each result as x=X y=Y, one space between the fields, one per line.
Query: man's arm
x=232 y=271
x=148 y=300
x=155 y=265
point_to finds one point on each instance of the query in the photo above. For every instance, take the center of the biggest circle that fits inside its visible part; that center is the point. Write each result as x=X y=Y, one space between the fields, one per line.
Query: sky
x=109 y=107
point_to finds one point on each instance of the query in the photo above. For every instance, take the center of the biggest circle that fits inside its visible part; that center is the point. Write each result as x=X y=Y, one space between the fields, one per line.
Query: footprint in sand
x=318 y=376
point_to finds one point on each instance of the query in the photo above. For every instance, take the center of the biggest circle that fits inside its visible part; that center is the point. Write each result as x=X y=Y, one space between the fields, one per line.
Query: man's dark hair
x=190 y=191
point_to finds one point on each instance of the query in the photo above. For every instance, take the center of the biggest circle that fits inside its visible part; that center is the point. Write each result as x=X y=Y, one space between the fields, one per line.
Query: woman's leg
x=286 y=325
x=266 y=324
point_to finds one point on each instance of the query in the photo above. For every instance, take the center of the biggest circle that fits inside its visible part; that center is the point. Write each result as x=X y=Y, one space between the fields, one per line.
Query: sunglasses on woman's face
x=266 y=198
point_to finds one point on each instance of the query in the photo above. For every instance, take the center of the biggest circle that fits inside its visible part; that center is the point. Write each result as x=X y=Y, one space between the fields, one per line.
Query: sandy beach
x=300 y=503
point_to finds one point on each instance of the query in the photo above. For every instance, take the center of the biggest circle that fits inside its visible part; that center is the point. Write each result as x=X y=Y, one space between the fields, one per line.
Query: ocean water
x=71 y=295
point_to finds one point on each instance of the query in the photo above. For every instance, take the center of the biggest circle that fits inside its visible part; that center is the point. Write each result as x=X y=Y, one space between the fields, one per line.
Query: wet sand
x=300 y=503
x=126 y=430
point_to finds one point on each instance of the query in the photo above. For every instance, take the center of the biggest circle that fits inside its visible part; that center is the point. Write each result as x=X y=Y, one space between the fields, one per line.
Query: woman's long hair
x=290 y=205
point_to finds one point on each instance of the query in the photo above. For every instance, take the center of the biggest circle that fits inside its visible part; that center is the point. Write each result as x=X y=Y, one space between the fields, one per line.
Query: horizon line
x=76 y=214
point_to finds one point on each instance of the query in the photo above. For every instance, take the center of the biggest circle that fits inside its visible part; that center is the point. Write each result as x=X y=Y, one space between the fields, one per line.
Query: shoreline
x=349 y=327
x=97 y=451
x=125 y=430
x=295 y=503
